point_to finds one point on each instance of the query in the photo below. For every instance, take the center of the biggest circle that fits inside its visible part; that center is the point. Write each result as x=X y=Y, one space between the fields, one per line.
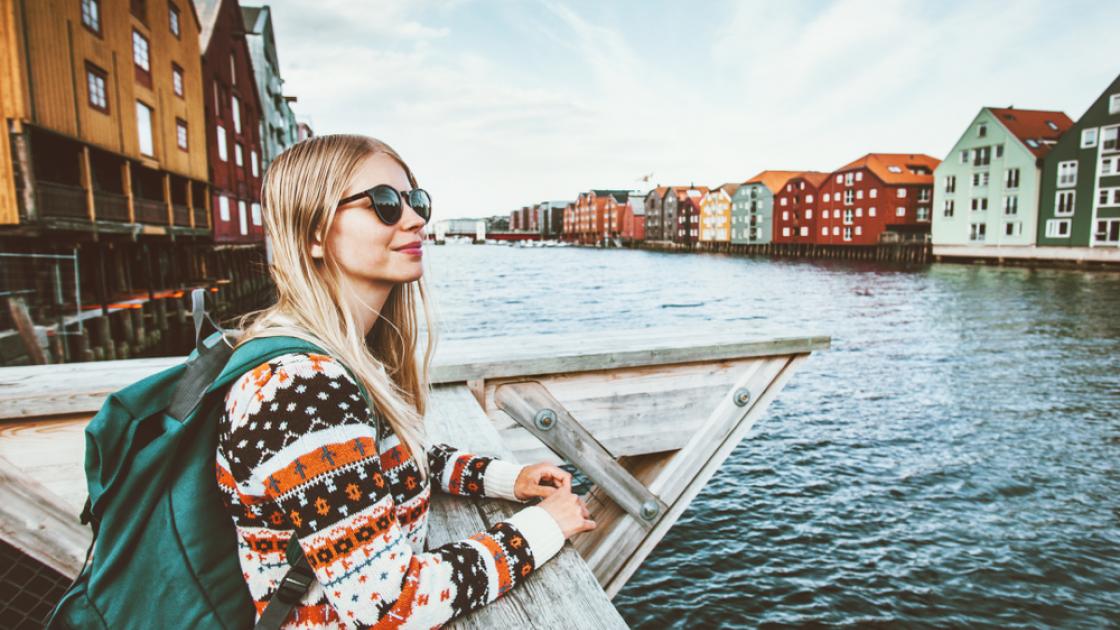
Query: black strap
x=296 y=581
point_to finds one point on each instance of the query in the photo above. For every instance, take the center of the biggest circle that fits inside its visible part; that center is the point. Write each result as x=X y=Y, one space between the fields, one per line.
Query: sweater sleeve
x=467 y=474
x=312 y=456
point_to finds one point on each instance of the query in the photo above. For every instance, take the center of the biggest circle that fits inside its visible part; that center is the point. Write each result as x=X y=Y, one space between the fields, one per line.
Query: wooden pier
x=648 y=416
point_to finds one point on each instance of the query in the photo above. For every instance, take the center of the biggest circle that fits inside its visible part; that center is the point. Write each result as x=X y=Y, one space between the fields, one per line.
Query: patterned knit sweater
x=296 y=455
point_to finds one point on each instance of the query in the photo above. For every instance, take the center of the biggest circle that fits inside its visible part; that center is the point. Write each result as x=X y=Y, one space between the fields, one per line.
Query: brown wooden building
x=233 y=123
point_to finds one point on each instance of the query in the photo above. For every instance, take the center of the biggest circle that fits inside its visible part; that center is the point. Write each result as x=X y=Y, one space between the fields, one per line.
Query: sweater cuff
x=541 y=532
x=499 y=480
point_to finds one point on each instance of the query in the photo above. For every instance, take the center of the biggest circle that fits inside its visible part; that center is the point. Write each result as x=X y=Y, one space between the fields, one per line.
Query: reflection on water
x=952 y=460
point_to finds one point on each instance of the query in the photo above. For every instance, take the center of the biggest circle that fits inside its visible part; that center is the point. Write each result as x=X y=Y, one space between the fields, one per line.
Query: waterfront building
x=1079 y=203
x=634 y=219
x=797 y=208
x=551 y=215
x=233 y=121
x=653 y=211
x=752 y=207
x=279 y=129
x=715 y=214
x=104 y=126
x=673 y=228
x=877 y=194
x=986 y=190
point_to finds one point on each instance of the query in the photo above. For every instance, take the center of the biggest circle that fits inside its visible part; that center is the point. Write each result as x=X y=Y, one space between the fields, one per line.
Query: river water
x=952 y=460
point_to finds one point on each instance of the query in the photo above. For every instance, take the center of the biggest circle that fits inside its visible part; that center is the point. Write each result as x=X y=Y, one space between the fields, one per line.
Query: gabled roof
x=683 y=191
x=659 y=191
x=814 y=178
x=774 y=180
x=728 y=188
x=1037 y=129
x=896 y=168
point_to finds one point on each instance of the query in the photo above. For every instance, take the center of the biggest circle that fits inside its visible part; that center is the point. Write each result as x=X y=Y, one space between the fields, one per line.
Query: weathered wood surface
x=41 y=391
x=562 y=593
x=33 y=519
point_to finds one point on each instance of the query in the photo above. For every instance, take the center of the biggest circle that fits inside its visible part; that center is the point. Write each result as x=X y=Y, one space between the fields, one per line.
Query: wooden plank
x=39 y=524
x=562 y=593
x=564 y=434
x=17 y=308
x=53 y=453
x=28 y=391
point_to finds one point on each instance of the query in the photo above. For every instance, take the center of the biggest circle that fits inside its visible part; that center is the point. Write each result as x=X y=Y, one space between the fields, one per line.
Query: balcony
x=61 y=200
x=110 y=206
x=150 y=211
x=182 y=215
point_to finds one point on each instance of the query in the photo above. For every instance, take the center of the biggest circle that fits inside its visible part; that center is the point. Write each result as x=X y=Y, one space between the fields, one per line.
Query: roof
x=814 y=178
x=683 y=191
x=729 y=188
x=207 y=16
x=1033 y=127
x=659 y=191
x=896 y=168
x=774 y=180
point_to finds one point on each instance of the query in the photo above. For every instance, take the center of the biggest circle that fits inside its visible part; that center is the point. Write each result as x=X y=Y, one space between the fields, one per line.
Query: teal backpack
x=165 y=550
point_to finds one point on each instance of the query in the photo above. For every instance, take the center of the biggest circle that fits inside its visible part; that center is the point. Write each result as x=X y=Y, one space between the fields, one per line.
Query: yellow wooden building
x=105 y=128
x=715 y=214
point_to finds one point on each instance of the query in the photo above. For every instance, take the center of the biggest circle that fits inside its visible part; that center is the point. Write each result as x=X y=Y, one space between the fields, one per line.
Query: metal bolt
x=649 y=510
x=545 y=419
x=742 y=396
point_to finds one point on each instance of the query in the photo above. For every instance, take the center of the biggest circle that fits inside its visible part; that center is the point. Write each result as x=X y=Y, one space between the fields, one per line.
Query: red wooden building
x=233 y=115
x=797 y=208
x=878 y=193
x=687 y=216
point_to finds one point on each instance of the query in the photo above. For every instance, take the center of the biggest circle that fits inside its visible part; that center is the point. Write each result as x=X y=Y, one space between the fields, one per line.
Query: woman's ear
x=316 y=249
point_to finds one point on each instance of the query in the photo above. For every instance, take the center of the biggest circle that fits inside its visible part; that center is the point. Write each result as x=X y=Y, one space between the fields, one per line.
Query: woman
x=298 y=455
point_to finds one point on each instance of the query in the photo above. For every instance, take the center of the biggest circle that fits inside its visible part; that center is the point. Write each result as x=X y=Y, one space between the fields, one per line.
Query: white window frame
x=235 y=105
x=1104 y=241
x=1056 y=227
x=977 y=232
x=859 y=176
x=1111 y=195
x=808 y=214
x=873 y=193
x=238 y=154
x=145 y=129
x=847 y=234
x=223 y=208
x=255 y=163
x=223 y=145
x=1089 y=138
x=785 y=231
x=181 y=135
x=949 y=209
x=1072 y=196
x=871 y=211
x=241 y=216
x=1114 y=103
x=177 y=81
x=1110 y=138
x=141 y=51
x=1069 y=177
x=804 y=230
x=1011 y=204
x=900 y=211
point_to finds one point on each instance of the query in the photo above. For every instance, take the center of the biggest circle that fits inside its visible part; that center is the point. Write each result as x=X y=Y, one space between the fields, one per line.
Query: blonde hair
x=301 y=191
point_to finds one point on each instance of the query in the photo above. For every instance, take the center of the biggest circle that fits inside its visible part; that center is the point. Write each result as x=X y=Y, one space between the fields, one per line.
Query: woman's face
x=369 y=251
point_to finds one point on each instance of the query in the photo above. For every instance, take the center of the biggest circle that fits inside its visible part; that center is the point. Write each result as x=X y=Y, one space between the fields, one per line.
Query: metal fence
x=40 y=296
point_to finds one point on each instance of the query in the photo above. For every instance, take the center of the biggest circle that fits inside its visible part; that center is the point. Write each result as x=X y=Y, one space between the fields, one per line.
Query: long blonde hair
x=301 y=191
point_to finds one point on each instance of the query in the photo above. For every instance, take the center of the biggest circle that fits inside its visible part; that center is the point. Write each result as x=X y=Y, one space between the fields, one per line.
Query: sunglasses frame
x=368 y=194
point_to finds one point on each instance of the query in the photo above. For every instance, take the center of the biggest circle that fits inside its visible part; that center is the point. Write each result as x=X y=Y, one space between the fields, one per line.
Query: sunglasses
x=386 y=202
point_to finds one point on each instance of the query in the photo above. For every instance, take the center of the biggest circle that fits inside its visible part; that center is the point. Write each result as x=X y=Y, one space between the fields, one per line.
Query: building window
x=894 y=169
x=848 y=217
x=141 y=59
x=980 y=179
x=808 y=214
x=901 y=211
x=847 y=234
x=253 y=161
x=1012 y=228
x=859 y=212
x=923 y=213
x=1011 y=178
x=999 y=150
x=873 y=193
x=804 y=230
x=859 y=194
x=256 y=213
x=950 y=205
x=1058 y=228
x=1067 y=173
x=1109 y=137
x=824 y=214
x=1108 y=231
x=976 y=231
x=964 y=156
x=173 y=19
x=784 y=200
x=238 y=157
x=1114 y=104
x=181 y=133
x=826 y=197
x=951 y=183
x=979 y=204
x=785 y=215
x=1011 y=204
x=91 y=15
x=824 y=231
x=223 y=154
x=836 y=230
x=849 y=178
x=96 y=78
x=223 y=207
x=901 y=193
x=859 y=176
x=235 y=103
x=924 y=194
x=144 y=126
x=1108 y=197
x=232 y=69
x=871 y=211
x=1063 y=204
x=177 y=79
x=242 y=219
x=982 y=130
x=1110 y=165
x=982 y=156
x=808 y=198
x=1089 y=138
x=785 y=231
x=839 y=178
x=848 y=196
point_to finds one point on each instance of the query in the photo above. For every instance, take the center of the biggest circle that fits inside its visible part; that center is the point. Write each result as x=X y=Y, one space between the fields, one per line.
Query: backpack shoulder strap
x=296 y=581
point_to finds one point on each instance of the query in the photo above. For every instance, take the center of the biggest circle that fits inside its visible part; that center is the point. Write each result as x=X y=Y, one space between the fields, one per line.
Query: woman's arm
x=309 y=451
x=465 y=474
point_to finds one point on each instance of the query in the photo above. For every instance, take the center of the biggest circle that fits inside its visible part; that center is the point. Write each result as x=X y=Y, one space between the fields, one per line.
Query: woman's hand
x=539 y=480
x=568 y=509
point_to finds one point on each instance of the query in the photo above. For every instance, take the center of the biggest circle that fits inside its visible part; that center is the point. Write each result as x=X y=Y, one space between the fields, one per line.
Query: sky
x=498 y=104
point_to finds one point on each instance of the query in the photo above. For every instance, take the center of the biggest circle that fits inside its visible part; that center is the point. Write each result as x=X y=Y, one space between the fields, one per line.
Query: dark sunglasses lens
x=387 y=203
x=421 y=202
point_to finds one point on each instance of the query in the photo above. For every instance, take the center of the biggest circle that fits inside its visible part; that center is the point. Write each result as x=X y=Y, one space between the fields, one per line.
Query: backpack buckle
x=295 y=584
